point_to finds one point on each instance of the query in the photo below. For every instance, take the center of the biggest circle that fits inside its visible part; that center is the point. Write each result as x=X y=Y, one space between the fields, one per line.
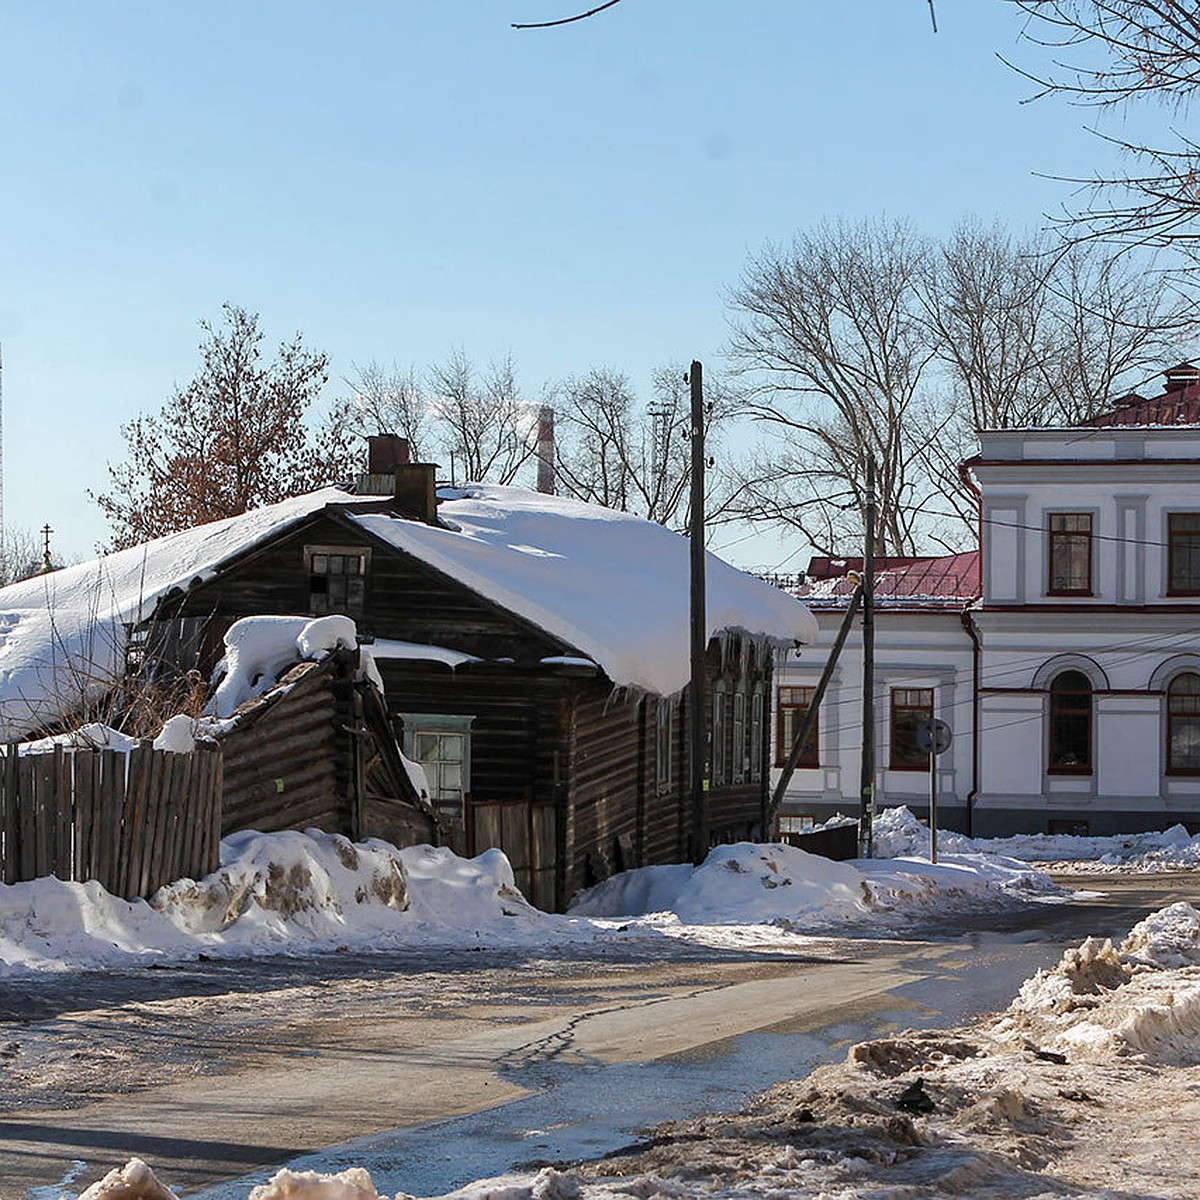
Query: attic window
x=337 y=578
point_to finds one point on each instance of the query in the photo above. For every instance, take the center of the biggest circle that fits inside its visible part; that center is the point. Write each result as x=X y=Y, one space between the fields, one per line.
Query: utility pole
x=699 y=639
x=866 y=816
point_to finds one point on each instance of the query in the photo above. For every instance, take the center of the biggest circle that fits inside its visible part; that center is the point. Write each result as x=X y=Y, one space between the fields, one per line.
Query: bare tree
x=1029 y=334
x=486 y=428
x=1112 y=55
x=388 y=399
x=233 y=439
x=632 y=455
x=834 y=333
x=865 y=341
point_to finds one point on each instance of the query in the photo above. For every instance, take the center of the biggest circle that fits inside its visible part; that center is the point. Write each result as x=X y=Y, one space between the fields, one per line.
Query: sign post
x=933 y=737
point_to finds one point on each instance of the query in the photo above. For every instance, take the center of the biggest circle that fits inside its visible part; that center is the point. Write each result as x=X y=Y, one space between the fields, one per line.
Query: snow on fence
x=133 y=821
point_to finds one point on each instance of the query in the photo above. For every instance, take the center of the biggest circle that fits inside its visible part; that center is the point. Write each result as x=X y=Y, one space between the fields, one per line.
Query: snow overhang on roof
x=612 y=586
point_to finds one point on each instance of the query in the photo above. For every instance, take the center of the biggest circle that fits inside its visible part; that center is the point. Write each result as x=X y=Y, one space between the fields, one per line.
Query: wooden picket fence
x=131 y=821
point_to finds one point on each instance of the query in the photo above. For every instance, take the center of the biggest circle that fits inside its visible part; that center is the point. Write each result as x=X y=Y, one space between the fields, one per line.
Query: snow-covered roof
x=610 y=585
x=918 y=581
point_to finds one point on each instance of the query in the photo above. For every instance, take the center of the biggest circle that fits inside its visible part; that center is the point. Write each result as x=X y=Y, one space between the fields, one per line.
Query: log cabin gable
x=326 y=563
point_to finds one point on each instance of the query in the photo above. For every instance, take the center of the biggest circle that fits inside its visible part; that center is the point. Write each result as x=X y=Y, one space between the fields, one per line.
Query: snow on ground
x=898 y=833
x=1087 y=1086
x=310 y=892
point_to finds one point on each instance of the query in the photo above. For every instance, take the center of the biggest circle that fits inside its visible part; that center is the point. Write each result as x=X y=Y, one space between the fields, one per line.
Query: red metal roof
x=1178 y=405
x=937 y=581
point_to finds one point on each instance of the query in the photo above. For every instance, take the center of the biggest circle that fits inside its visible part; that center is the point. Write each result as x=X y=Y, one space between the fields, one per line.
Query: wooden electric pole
x=699 y=639
x=866 y=816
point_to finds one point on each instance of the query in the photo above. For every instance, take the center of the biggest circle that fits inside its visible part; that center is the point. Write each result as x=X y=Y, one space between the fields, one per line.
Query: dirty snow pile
x=898 y=833
x=280 y=893
x=1088 y=1085
x=783 y=886
x=311 y=892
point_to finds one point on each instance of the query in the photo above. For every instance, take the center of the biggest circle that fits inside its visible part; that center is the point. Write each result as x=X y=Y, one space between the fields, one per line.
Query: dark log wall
x=509 y=761
x=667 y=809
x=607 y=786
x=405 y=599
x=282 y=770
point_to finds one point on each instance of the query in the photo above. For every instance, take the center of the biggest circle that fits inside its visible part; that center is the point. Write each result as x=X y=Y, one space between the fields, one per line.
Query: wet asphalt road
x=158 y=1062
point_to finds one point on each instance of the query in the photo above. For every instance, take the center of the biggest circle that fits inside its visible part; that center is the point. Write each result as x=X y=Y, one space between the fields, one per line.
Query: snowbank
x=1139 y=1000
x=898 y=834
x=747 y=884
x=280 y=893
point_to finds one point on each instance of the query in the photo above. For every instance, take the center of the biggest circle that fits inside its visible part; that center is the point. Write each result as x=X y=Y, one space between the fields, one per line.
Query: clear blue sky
x=396 y=179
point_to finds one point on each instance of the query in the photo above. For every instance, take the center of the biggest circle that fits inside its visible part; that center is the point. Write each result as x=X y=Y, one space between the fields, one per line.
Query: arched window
x=1071 y=724
x=1183 y=725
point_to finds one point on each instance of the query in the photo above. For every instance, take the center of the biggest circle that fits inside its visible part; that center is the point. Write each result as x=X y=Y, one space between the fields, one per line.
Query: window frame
x=441 y=724
x=1174 y=535
x=1185 y=712
x=664 y=744
x=313 y=552
x=1053 y=536
x=757 y=707
x=785 y=728
x=898 y=711
x=719 y=757
x=738 y=728
x=1057 y=710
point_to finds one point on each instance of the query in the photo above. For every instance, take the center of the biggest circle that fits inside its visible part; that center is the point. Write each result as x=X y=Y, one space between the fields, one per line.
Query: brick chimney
x=386 y=452
x=412 y=486
x=415 y=491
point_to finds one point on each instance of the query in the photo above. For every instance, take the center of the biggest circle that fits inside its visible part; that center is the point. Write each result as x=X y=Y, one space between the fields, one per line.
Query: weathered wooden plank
x=85 y=786
x=213 y=812
x=184 y=806
x=106 y=830
x=207 y=811
x=133 y=821
x=64 y=815
x=46 y=780
x=150 y=862
x=29 y=823
x=12 y=817
x=183 y=814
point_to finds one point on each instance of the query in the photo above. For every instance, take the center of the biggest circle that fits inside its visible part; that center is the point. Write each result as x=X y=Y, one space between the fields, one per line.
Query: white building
x=1069 y=672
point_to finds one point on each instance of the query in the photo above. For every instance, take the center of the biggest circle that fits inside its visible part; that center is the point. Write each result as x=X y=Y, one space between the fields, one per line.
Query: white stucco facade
x=1066 y=677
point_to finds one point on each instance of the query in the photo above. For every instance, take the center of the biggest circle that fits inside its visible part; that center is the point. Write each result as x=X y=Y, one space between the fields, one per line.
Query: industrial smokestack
x=545 y=450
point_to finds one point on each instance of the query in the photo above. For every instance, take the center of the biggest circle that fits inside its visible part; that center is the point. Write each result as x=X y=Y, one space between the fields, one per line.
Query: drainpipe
x=976 y=649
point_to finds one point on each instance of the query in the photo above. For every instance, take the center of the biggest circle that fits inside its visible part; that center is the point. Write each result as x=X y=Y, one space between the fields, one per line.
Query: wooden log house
x=531 y=740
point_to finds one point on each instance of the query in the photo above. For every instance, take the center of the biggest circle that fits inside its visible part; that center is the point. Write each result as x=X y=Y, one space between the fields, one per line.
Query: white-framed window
x=719 y=761
x=664 y=742
x=441 y=743
x=741 y=750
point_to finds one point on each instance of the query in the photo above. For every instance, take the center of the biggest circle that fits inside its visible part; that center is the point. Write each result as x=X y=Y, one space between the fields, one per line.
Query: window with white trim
x=441 y=744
